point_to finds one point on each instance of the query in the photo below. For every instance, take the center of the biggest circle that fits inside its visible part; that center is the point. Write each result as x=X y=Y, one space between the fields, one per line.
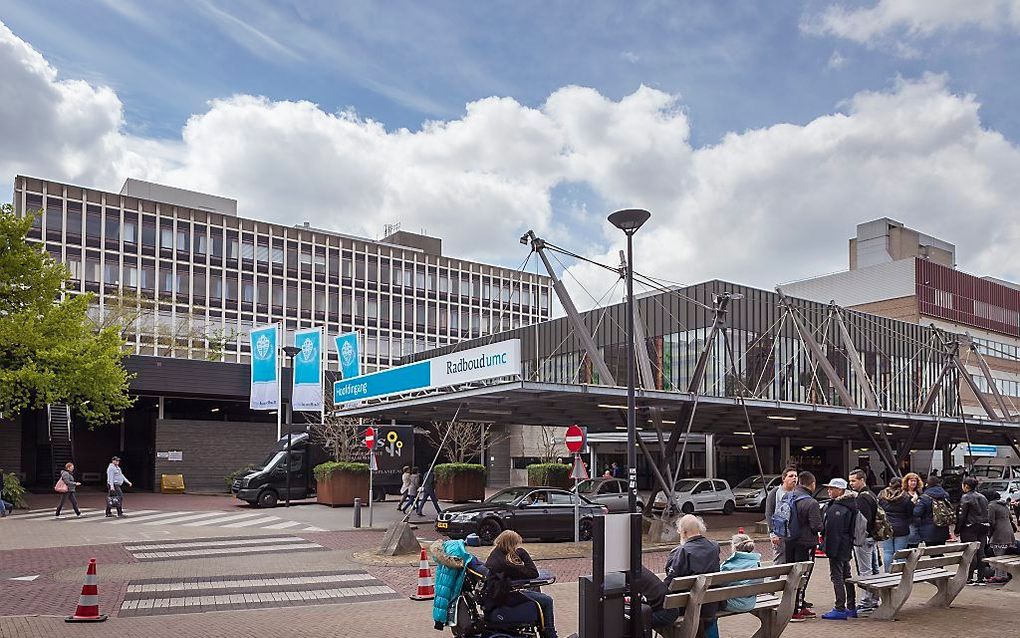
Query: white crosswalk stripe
x=148 y=517
x=222 y=519
x=101 y=515
x=50 y=513
x=236 y=519
x=284 y=525
x=184 y=518
x=254 y=521
x=217 y=547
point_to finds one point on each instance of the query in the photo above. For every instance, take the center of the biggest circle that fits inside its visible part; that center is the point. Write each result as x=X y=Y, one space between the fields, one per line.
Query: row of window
x=1007 y=387
x=998 y=349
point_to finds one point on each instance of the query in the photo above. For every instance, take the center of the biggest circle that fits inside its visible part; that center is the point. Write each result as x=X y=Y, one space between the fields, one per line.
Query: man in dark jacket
x=866 y=555
x=695 y=555
x=802 y=546
x=924 y=512
x=837 y=539
x=654 y=592
x=428 y=492
x=972 y=525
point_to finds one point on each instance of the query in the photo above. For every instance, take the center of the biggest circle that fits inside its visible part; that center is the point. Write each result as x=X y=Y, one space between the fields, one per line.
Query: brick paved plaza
x=166 y=579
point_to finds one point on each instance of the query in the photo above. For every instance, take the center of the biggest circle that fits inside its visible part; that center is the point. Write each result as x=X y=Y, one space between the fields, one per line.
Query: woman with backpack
x=933 y=512
x=899 y=509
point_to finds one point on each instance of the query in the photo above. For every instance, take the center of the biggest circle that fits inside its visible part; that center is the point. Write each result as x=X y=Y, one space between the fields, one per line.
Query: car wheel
x=268 y=498
x=687 y=508
x=585 y=529
x=488 y=531
x=729 y=508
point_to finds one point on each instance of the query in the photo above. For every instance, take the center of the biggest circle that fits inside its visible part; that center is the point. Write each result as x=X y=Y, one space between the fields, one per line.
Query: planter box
x=462 y=487
x=341 y=488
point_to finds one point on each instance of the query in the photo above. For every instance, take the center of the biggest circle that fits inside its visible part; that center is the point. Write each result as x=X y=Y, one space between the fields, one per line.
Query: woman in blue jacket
x=743 y=557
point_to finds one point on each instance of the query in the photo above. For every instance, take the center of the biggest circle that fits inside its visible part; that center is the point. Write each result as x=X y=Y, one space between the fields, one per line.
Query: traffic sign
x=574 y=439
x=580 y=472
x=370 y=438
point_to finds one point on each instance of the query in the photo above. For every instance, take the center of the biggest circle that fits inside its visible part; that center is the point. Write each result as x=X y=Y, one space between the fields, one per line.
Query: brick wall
x=902 y=308
x=211 y=449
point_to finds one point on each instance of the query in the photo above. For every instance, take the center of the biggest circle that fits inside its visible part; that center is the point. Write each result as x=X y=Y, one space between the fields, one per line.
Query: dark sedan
x=544 y=513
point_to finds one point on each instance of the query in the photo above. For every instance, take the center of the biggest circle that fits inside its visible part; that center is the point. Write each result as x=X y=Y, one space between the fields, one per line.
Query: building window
x=201 y=241
x=216 y=243
x=148 y=277
x=148 y=232
x=74 y=265
x=166 y=234
x=93 y=228
x=166 y=281
x=183 y=237
x=130 y=230
x=112 y=226
x=92 y=269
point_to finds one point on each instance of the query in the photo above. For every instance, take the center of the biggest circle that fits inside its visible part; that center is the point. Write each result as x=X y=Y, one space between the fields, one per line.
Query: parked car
x=609 y=492
x=545 y=513
x=699 y=495
x=1009 y=490
x=750 y=493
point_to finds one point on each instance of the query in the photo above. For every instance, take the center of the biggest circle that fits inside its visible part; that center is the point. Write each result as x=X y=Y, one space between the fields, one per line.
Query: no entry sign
x=574 y=439
x=370 y=438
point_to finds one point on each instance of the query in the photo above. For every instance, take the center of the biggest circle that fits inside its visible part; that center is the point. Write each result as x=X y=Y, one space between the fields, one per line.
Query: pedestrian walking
x=837 y=541
x=899 y=509
x=1002 y=535
x=428 y=492
x=803 y=524
x=68 y=493
x=972 y=525
x=407 y=489
x=866 y=555
x=695 y=554
x=115 y=480
x=788 y=485
x=934 y=513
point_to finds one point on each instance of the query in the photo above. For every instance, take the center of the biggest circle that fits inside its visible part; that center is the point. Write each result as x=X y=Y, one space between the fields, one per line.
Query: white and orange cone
x=88 y=602
x=426 y=587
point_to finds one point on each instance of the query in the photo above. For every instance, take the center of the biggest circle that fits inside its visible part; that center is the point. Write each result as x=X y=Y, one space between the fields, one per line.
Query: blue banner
x=392 y=381
x=265 y=370
x=308 y=370
x=349 y=354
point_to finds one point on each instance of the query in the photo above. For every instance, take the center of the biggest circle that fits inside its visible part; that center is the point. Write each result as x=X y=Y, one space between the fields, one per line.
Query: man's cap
x=838 y=483
x=116 y=458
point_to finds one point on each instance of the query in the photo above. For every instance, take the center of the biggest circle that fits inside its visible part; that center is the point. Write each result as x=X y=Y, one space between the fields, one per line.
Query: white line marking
x=198 y=553
x=147 y=517
x=255 y=521
x=27 y=579
x=181 y=519
x=99 y=516
x=283 y=525
x=52 y=512
x=215 y=543
x=224 y=519
x=313 y=529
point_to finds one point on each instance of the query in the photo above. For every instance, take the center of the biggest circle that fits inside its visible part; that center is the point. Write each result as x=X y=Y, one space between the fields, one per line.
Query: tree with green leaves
x=50 y=351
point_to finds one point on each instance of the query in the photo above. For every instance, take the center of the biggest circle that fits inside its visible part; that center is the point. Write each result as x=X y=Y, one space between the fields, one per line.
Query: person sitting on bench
x=695 y=555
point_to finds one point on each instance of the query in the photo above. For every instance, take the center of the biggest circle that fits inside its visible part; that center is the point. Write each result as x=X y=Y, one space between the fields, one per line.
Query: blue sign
x=387 y=382
x=265 y=372
x=308 y=370
x=982 y=450
x=349 y=354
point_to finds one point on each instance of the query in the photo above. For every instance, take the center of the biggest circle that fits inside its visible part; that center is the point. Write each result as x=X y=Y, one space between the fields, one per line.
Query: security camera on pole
x=372 y=467
x=575 y=443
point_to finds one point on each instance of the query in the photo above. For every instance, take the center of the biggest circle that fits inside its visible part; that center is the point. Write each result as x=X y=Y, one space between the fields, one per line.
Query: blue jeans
x=915 y=536
x=425 y=497
x=890 y=547
x=544 y=601
x=3 y=507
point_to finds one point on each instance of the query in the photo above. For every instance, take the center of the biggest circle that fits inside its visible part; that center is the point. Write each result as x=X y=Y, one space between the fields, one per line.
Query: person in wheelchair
x=509 y=562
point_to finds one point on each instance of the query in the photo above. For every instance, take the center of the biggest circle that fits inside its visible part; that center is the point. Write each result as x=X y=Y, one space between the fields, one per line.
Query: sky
x=757 y=133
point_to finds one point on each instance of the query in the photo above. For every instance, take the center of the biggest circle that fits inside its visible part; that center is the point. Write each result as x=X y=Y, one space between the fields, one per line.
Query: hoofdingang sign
x=501 y=359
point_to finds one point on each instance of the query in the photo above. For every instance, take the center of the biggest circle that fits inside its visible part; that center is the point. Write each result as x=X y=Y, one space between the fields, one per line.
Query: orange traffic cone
x=88 y=602
x=426 y=588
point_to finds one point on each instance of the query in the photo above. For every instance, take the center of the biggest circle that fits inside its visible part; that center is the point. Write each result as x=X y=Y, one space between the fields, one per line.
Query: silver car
x=699 y=495
x=610 y=492
x=750 y=493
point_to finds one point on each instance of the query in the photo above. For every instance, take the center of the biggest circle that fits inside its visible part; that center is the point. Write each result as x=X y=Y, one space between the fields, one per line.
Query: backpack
x=883 y=528
x=942 y=512
x=785 y=522
x=859 y=533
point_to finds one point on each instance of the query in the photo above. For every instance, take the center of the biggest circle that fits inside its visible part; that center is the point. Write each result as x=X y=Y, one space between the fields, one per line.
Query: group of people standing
x=67 y=487
x=414 y=494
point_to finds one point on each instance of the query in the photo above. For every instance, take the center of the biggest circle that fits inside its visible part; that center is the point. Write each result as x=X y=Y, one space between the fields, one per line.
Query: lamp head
x=291 y=351
x=629 y=220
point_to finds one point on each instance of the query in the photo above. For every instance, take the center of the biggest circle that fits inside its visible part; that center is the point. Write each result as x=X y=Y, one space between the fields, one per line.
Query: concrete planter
x=462 y=487
x=342 y=487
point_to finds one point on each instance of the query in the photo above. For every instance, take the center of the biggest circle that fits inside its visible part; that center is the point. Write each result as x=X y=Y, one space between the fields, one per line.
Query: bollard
x=357 y=513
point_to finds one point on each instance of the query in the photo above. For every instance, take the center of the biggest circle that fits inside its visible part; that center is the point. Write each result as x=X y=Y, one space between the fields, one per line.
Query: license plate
x=442 y=525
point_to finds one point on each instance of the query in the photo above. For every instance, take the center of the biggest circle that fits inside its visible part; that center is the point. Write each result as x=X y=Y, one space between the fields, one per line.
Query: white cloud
x=837 y=60
x=898 y=22
x=759 y=207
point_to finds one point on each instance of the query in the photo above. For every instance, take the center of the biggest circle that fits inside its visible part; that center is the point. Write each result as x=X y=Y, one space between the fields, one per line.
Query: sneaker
x=851 y=612
x=809 y=613
x=835 y=614
x=800 y=616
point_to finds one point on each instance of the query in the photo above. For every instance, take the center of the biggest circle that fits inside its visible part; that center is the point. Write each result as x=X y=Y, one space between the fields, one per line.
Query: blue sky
x=724 y=74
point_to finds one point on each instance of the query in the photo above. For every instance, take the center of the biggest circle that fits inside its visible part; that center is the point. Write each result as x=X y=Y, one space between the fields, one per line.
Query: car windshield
x=752 y=483
x=270 y=461
x=686 y=485
x=509 y=495
x=998 y=486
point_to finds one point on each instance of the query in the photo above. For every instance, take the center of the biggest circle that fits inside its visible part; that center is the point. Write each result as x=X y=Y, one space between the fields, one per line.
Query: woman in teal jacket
x=743 y=557
x=450 y=558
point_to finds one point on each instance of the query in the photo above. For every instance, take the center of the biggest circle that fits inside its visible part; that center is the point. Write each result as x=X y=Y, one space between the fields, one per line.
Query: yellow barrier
x=171 y=483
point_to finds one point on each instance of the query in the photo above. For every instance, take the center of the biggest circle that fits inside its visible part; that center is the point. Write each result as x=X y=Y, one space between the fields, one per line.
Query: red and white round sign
x=370 y=438
x=574 y=439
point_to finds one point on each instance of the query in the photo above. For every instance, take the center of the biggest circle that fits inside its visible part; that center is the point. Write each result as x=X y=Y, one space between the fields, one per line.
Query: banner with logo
x=349 y=354
x=265 y=368
x=308 y=370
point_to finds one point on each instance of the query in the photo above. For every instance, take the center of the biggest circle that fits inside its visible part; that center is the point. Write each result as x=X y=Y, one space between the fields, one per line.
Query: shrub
x=13 y=492
x=445 y=471
x=236 y=474
x=323 y=470
x=551 y=474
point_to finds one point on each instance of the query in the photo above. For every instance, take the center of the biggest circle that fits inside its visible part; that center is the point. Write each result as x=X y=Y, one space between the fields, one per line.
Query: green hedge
x=446 y=471
x=12 y=490
x=551 y=474
x=323 y=470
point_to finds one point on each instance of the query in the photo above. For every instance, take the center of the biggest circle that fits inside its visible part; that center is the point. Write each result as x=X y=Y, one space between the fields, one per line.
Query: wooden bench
x=777 y=596
x=1010 y=564
x=944 y=566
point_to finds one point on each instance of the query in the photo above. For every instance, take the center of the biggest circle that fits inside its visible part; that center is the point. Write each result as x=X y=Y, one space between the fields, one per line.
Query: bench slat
x=928 y=563
x=1003 y=560
x=679 y=601
x=765 y=601
x=718 y=594
x=934 y=550
x=891 y=581
x=685 y=583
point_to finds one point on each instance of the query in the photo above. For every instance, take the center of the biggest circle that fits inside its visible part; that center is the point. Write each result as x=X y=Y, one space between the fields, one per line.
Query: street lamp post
x=629 y=220
x=291 y=352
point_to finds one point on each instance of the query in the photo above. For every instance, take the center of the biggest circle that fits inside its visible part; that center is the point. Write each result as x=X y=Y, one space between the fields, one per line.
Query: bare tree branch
x=465 y=440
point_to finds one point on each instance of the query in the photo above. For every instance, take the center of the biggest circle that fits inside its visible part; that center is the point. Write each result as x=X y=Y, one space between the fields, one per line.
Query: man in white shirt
x=114 y=480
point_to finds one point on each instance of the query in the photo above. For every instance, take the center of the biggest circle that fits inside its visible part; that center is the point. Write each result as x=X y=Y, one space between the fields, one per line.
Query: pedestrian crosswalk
x=235 y=519
x=219 y=547
x=158 y=596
